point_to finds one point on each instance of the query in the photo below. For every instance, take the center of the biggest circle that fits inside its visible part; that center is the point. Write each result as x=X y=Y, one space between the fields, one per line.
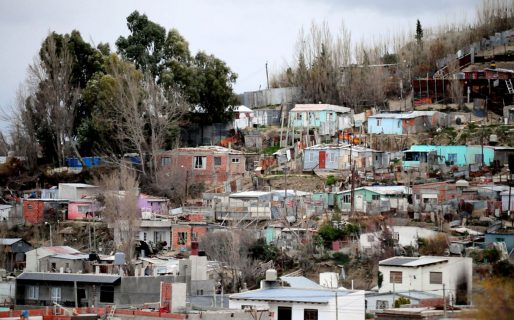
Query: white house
x=449 y=276
x=242 y=117
x=379 y=301
x=301 y=300
x=404 y=236
x=5 y=211
x=77 y=191
x=155 y=231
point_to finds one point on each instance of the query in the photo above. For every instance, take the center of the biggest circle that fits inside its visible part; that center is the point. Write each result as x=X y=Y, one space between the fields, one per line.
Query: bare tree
x=120 y=196
x=146 y=113
x=230 y=248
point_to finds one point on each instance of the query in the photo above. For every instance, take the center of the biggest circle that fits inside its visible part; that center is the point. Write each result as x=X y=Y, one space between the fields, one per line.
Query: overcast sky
x=245 y=34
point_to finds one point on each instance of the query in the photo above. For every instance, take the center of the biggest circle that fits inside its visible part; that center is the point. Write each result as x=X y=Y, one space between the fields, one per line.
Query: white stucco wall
x=455 y=271
x=351 y=307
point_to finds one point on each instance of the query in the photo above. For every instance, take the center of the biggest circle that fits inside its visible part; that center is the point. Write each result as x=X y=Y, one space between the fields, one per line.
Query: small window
x=182 y=237
x=382 y=304
x=165 y=161
x=436 y=278
x=298 y=116
x=235 y=160
x=56 y=294
x=144 y=236
x=452 y=158
x=29 y=206
x=379 y=122
x=395 y=277
x=310 y=314
x=107 y=294
x=375 y=197
x=199 y=162
x=83 y=209
x=332 y=157
x=33 y=293
x=478 y=158
x=217 y=161
x=194 y=236
x=347 y=198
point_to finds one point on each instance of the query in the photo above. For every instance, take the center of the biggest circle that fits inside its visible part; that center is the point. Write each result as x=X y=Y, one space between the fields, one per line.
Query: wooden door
x=322 y=159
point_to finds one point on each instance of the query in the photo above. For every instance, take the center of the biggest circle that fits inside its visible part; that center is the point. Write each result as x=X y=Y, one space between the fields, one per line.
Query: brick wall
x=33 y=211
x=200 y=230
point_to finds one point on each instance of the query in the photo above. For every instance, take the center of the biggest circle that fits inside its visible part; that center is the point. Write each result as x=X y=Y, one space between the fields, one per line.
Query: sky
x=245 y=34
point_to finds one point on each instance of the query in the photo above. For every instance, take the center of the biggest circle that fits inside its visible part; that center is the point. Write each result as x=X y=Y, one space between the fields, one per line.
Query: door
x=284 y=313
x=359 y=203
x=322 y=158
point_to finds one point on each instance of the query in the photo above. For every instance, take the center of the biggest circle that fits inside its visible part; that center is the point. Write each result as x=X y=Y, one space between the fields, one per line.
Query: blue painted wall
x=386 y=126
x=333 y=159
x=315 y=118
x=500 y=237
x=460 y=155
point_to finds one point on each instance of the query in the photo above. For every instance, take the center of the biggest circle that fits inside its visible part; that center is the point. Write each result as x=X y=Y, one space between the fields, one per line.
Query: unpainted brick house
x=212 y=165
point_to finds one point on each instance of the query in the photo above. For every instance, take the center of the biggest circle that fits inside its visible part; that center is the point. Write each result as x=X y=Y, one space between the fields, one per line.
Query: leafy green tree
x=401 y=300
x=144 y=46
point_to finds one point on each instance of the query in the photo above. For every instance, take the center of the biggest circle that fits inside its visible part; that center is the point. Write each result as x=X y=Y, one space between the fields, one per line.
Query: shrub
x=401 y=300
x=491 y=255
x=340 y=258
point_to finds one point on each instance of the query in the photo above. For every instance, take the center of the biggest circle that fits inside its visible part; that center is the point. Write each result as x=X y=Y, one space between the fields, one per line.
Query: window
x=182 y=237
x=375 y=197
x=107 y=294
x=235 y=160
x=382 y=304
x=33 y=292
x=194 y=236
x=332 y=157
x=144 y=236
x=395 y=277
x=158 y=236
x=83 y=209
x=165 y=161
x=217 y=161
x=452 y=158
x=347 y=198
x=436 y=278
x=56 y=294
x=478 y=158
x=379 y=122
x=199 y=162
x=298 y=116
x=310 y=314
x=53 y=267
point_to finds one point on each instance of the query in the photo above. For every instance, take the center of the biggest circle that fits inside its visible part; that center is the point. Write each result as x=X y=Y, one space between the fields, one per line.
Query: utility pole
x=337 y=308
x=444 y=300
x=267 y=78
x=285 y=189
x=510 y=194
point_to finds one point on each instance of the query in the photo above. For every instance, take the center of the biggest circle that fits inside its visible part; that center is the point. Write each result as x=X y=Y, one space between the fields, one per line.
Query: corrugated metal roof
x=320 y=107
x=411 y=262
x=289 y=295
x=68 y=277
x=8 y=241
x=72 y=256
x=403 y=115
x=385 y=190
x=250 y=194
x=301 y=282
x=46 y=251
x=214 y=149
